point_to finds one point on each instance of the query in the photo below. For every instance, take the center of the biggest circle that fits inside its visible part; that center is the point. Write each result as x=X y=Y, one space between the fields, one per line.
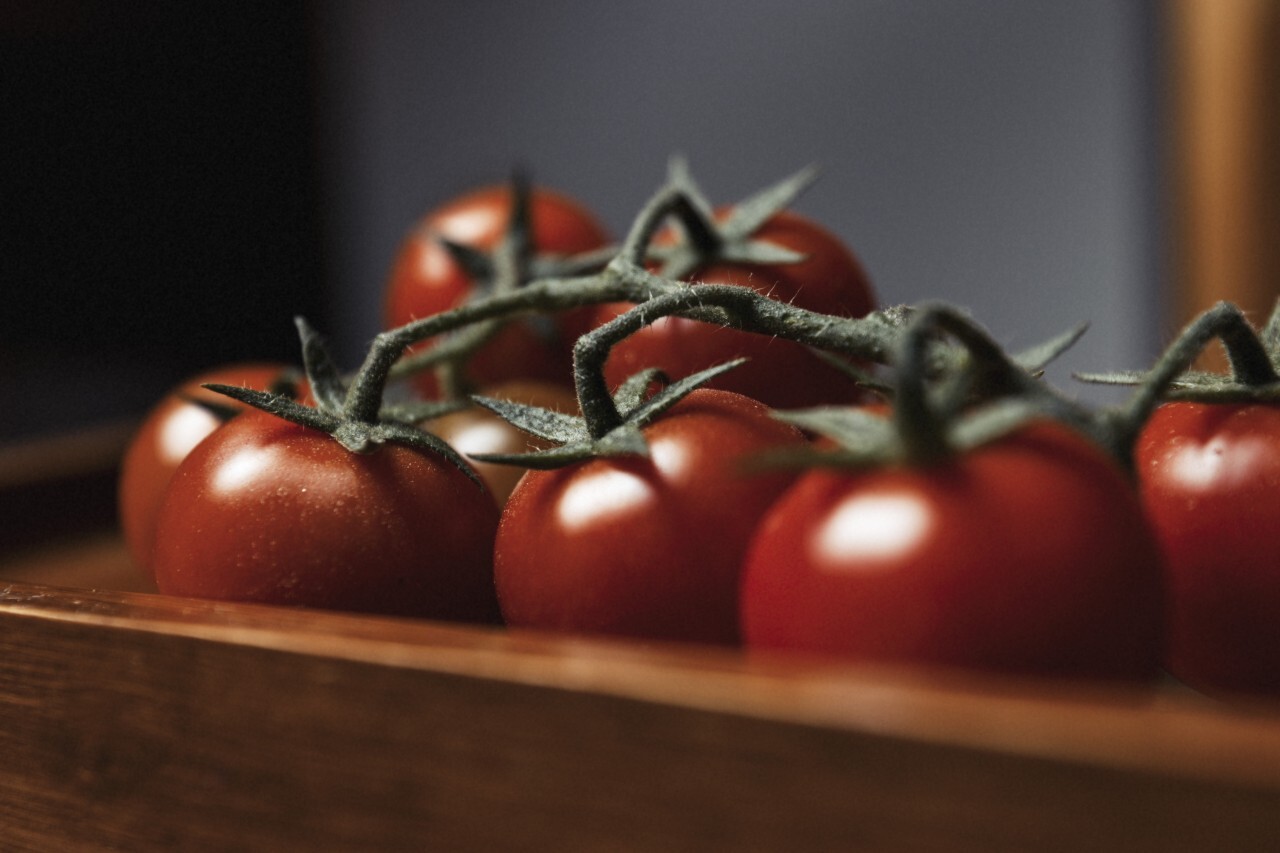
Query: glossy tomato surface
x=1029 y=555
x=268 y=511
x=1210 y=479
x=477 y=430
x=425 y=280
x=168 y=433
x=644 y=547
x=780 y=373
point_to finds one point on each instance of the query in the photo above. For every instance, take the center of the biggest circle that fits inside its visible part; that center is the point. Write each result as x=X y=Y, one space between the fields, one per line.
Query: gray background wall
x=1003 y=155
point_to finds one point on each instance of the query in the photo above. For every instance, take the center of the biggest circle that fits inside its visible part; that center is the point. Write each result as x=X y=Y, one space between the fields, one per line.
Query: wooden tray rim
x=1158 y=731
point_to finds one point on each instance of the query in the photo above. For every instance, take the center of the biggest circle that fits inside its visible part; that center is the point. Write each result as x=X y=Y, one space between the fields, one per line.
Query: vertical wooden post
x=1225 y=79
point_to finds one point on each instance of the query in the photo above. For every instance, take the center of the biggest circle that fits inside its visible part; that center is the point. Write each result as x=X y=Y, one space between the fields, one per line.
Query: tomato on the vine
x=645 y=547
x=268 y=511
x=169 y=432
x=1026 y=555
x=780 y=373
x=476 y=430
x=426 y=280
x=1209 y=475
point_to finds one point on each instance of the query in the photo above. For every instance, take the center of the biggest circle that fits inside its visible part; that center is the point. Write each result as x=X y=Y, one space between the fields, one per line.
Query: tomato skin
x=648 y=548
x=425 y=280
x=780 y=373
x=268 y=511
x=1029 y=555
x=1209 y=475
x=167 y=434
x=477 y=430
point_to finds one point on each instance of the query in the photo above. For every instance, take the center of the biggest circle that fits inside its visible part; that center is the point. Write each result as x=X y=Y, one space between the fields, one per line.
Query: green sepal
x=865 y=440
x=751 y=213
x=634 y=390
x=626 y=440
x=541 y=460
x=807 y=457
x=326 y=381
x=1114 y=377
x=862 y=440
x=280 y=405
x=732 y=241
x=356 y=436
x=1192 y=386
x=546 y=424
x=476 y=263
x=680 y=177
x=667 y=397
x=549 y=265
x=864 y=378
x=993 y=421
x=847 y=426
x=1035 y=359
x=1196 y=387
x=1253 y=375
x=570 y=431
x=759 y=253
x=364 y=438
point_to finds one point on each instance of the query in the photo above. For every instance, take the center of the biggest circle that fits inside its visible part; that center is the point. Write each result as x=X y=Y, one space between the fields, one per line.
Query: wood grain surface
x=134 y=721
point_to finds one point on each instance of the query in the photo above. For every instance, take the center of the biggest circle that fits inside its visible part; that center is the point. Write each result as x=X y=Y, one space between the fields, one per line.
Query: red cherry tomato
x=643 y=547
x=425 y=280
x=1209 y=475
x=168 y=433
x=780 y=373
x=477 y=430
x=268 y=511
x=1029 y=555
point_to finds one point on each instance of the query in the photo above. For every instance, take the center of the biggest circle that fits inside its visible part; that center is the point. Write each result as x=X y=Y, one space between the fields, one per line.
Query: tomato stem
x=672 y=200
x=937 y=387
x=986 y=371
x=920 y=427
x=540 y=295
x=722 y=304
x=1251 y=365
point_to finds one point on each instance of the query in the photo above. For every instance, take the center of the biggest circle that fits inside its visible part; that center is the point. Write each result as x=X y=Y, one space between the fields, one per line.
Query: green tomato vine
x=954 y=386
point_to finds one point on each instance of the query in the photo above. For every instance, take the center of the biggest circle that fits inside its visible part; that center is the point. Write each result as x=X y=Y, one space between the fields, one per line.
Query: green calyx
x=706 y=240
x=572 y=435
x=339 y=405
x=952 y=386
x=513 y=264
x=1254 y=376
x=1253 y=356
x=952 y=389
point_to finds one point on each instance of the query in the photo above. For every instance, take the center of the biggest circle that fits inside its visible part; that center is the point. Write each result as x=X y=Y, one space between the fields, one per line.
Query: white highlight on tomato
x=600 y=495
x=469 y=225
x=669 y=456
x=433 y=267
x=242 y=468
x=484 y=437
x=1207 y=465
x=870 y=527
x=188 y=427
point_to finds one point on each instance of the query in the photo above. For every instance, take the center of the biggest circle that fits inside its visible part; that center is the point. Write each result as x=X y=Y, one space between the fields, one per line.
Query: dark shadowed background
x=179 y=179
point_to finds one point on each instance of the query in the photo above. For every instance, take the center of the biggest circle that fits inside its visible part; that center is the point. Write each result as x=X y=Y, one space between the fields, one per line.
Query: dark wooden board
x=138 y=721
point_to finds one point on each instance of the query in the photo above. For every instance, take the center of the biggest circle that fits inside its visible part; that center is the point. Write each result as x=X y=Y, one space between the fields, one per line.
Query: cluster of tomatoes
x=1034 y=552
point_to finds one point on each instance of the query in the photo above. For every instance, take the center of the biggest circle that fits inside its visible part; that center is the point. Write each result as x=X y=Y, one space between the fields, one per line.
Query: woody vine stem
x=954 y=353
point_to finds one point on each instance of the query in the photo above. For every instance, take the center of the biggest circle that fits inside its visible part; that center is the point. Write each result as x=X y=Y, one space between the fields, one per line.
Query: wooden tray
x=135 y=721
